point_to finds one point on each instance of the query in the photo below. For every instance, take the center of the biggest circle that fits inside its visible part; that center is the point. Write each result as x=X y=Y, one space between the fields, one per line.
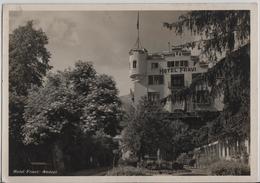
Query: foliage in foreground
x=77 y=99
x=223 y=33
x=219 y=30
x=148 y=130
x=186 y=159
x=74 y=105
x=229 y=168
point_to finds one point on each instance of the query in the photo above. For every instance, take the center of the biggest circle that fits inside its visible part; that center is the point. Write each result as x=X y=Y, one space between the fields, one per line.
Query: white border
x=128 y=7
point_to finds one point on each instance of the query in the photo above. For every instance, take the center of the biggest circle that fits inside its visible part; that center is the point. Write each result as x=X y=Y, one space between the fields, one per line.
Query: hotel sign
x=180 y=69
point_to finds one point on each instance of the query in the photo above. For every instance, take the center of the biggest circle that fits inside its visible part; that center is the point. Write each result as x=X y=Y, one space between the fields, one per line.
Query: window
x=177 y=80
x=134 y=64
x=154 y=65
x=170 y=64
x=153 y=96
x=177 y=63
x=155 y=80
x=186 y=63
x=181 y=63
x=178 y=53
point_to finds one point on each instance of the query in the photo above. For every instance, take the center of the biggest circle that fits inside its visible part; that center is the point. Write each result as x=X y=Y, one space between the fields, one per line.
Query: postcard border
x=130 y=7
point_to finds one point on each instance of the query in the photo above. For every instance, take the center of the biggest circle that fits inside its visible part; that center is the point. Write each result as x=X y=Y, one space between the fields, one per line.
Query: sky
x=102 y=37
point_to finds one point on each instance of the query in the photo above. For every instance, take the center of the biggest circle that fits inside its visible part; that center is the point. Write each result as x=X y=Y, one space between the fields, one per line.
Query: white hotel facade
x=159 y=75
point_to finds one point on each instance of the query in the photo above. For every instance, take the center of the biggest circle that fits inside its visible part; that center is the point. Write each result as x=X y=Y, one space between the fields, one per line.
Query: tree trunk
x=57 y=156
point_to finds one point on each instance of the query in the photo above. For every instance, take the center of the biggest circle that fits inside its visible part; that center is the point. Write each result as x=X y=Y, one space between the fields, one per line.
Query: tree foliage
x=149 y=130
x=76 y=99
x=219 y=30
x=103 y=105
x=230 y=77
x=74 y=109
x=142 y=133
x=49 y=110
x=28 y=65
x=28 y=58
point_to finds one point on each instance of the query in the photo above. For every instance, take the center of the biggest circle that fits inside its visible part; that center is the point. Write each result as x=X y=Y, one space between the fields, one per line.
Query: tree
x=100 y=93
x=142 y=133
x=219 y=30
x=82 y=77
x=28 y=58
x=149 y=130
x=28 y=64
x=51 y=116
x=104 y=105
x=73 y=103
x=224 y=33
x=181 y=138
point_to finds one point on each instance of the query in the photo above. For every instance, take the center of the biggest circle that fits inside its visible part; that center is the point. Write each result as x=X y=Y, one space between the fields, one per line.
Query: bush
x=177 y=166
x=192 y=162
x=186 y=159
x=151 y=165
x=183 y=158
x=229 y=168
x=126 y=171
x=164 y=165
x=127 y=162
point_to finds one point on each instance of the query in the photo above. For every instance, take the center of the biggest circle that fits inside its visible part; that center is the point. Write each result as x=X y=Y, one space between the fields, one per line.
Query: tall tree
x=104 y=106
x=218 y=30
x=28 y=58
x=224 y=34
x=28 y=64
x=52 y=116
x=149 y=130
x=73 y=103
x=140 y=135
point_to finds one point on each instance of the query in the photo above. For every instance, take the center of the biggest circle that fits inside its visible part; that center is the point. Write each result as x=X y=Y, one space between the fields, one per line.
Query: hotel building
x=159 y=76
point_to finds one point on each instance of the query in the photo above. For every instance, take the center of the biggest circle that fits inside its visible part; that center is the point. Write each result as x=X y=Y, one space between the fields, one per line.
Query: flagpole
x=138 y=41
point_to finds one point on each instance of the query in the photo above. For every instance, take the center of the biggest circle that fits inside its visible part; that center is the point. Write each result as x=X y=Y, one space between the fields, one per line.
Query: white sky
x=102 y=37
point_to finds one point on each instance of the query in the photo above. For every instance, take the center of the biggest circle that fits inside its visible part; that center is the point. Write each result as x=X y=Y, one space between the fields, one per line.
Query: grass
x=134 y=171
x=127 y=171
x=230 y=168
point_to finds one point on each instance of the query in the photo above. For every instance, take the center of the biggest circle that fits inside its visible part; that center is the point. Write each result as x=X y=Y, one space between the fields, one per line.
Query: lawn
x=134 y=171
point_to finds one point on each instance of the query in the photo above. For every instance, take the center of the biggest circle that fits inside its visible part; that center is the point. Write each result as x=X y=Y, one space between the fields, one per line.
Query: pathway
x=92 y=172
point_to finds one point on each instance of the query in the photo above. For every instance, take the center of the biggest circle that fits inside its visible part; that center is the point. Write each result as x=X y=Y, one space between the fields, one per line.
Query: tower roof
x=140 y=50
x=138 y=45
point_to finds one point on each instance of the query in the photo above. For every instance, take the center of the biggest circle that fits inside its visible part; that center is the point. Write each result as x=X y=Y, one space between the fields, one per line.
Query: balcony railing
x=172 y=87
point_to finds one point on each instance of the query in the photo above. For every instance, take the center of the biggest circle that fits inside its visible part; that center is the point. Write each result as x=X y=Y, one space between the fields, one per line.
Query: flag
x=137 y=25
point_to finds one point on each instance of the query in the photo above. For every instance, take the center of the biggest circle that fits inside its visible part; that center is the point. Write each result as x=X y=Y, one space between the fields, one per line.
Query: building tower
x=137 y=59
